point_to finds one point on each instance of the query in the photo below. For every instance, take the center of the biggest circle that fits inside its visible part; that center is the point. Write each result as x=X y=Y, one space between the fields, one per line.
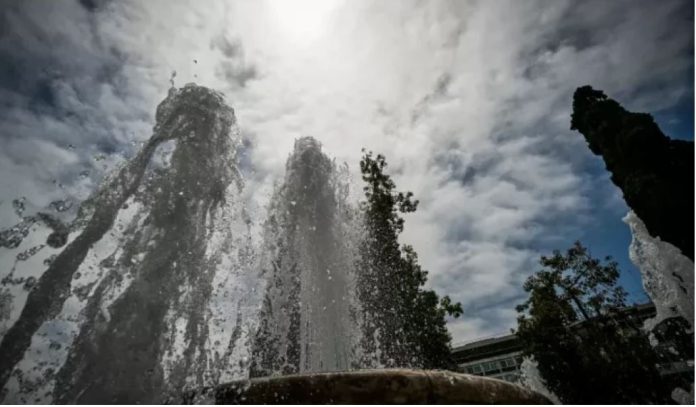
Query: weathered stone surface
x=386 y=386
x=655 y=173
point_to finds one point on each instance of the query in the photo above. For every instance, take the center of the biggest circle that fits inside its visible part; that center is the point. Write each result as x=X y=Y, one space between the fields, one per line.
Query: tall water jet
x=156 y=274
x=306 y=323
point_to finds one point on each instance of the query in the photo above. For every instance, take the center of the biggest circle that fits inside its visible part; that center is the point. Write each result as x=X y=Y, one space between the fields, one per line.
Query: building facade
x=498 y=357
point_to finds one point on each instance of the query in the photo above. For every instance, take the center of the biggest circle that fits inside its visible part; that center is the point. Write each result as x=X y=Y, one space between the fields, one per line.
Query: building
x=501 y=357
x=498 y=357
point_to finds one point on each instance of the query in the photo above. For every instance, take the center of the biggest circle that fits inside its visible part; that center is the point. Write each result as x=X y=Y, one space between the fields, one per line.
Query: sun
x=302 y=21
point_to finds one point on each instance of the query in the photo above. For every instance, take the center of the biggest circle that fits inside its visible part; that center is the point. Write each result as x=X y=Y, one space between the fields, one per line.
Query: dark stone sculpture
x=655 y=173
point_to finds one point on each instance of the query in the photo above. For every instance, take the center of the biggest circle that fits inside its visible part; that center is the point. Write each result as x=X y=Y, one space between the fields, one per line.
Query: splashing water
x=158 y=286
x=668 y=278
x=149 y=294
x=531 y=379
x=305 y=321
x=668 y=275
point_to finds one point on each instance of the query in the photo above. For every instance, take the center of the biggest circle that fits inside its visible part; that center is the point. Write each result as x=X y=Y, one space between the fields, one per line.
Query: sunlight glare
x=303 y=21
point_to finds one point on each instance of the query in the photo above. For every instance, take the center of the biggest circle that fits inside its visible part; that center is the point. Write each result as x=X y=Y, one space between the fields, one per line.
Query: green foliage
x=403 y=323
x=589 y=345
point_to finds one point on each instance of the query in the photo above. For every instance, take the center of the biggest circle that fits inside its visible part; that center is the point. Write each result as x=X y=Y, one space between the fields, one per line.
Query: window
x=509 y=362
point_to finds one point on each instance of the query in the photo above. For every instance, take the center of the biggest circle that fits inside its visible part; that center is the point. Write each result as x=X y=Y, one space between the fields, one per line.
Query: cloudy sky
x=470 y=102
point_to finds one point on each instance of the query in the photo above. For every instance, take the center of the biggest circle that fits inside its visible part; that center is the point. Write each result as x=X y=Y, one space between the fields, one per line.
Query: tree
x=588 y=343
x=403 y=324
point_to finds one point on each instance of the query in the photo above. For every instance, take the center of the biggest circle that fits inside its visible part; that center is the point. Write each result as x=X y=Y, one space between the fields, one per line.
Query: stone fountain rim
x=367 y=386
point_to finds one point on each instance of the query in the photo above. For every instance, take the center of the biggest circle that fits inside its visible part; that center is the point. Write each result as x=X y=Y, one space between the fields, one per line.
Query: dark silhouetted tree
x=403 y=323
x=588 y=343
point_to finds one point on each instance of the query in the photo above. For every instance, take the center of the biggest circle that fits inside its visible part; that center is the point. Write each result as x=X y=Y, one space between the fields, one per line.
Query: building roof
x=485 y=342
x=486 y=348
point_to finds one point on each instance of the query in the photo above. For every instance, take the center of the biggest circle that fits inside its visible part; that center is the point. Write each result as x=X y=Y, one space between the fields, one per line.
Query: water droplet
x=60 y=206
x=57 y=239
x=29 y=283
x=18 y=205
x=47 y=261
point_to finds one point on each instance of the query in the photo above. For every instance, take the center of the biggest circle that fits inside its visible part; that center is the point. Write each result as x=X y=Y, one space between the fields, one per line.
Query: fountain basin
x=383 y=386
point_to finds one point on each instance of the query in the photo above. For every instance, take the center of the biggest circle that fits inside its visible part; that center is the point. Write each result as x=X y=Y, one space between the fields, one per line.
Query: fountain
x=376 y=386
x=161 y=293
x=305 y=321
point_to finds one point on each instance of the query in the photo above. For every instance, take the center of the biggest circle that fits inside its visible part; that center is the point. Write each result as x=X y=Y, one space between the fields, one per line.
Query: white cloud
x=469 y=101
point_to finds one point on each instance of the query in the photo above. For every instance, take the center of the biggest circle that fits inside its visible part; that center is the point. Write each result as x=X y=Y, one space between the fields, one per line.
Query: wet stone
x=384 y=386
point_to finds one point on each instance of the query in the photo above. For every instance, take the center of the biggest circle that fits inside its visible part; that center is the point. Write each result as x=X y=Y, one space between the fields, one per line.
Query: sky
x=469 y=100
